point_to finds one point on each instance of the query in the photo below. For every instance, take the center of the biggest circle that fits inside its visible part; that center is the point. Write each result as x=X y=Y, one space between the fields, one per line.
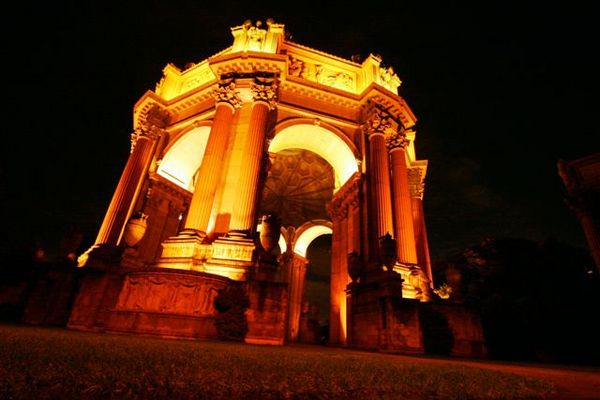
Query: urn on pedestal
x=135 y=229
x=269 y=232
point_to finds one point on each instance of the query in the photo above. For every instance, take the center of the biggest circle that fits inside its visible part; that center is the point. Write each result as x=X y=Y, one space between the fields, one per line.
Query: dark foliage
x=231 y=304
x=537 y=301
x=437 y=336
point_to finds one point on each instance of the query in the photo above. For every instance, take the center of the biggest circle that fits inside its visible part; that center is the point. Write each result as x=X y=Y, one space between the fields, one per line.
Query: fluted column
x=403 y=217
x=209 y=175
x=381 y=195
x=264 y=93
x=122 y=202
x=417 y=187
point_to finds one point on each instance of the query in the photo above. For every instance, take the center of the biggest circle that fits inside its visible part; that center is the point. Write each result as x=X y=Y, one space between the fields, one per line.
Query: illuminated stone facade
x=581 y=178
x=210 y=149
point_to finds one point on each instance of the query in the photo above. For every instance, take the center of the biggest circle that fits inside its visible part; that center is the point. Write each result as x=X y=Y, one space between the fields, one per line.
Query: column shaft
x=380 y=186
x=243 y=217
x=403 y=216
x=116 y=217
x=210 y=169
x=421 y=238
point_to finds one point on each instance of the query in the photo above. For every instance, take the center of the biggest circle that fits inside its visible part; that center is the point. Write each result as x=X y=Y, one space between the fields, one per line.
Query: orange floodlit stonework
x=237 y=164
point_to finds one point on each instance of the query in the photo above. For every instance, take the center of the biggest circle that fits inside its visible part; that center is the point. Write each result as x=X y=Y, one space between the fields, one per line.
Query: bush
x=231 y=304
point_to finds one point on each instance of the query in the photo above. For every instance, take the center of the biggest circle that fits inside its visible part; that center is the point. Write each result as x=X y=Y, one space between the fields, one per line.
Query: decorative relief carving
x=340 y=80
x=166 y=293
x=416 y=182
x=228 y=251
x=203 y=76
x=255 y=36
x=265 y=90
x=297 y=68
x=388 y=79
x=321 y=74
x=225 y=92
x=397 y=140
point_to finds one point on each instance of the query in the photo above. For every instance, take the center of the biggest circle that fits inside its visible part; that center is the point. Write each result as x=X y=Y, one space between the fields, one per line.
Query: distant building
x=582 y=180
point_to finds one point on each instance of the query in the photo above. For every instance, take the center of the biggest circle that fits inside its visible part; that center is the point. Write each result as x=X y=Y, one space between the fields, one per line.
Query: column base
x=229 y=257
x=101 y=256
x=416 y=284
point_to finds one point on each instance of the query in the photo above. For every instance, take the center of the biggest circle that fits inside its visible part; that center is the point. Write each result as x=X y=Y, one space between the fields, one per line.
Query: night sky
x=501 y=93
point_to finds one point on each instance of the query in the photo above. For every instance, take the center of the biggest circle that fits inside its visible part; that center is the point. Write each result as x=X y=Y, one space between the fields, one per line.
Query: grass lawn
x=44 y=363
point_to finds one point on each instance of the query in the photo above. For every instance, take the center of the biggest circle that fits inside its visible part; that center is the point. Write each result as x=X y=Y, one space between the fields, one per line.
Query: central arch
x=338 y=152
x=326 y=143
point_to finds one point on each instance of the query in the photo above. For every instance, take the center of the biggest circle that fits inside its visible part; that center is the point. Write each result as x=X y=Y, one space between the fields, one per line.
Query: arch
x=322 y=141
x=184 y=156
x=308 y=232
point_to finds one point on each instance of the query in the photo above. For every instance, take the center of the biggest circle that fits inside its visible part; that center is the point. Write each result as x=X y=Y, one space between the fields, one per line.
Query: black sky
x=501 y=93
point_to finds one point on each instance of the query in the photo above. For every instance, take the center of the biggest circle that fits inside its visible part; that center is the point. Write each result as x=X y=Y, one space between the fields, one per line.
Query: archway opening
x=317 y=295
x=182 y=160
x=322 y=142
x=298 y=188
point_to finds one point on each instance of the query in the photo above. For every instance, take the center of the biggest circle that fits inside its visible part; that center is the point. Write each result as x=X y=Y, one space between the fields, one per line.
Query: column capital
x=378 y=122
x=225 y=93
x=265 y=91
x=145 y=131
x=397 y=140
x=416 y=182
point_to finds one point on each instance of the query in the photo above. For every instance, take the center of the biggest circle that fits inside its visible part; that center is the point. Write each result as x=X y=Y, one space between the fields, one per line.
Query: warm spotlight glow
x=184 y=158
x=322 y=142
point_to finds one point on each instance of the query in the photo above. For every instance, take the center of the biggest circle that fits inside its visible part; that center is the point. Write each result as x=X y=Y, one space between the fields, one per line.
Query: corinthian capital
x=265 y=91
x=226 y=93
x=378 y=122
x=151 y=124
x=396 y=140
x=145 y=131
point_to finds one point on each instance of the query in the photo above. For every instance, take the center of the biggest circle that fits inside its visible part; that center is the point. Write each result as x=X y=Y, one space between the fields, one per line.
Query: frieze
x=230 y=251
x=321 y=74
x=167 y=294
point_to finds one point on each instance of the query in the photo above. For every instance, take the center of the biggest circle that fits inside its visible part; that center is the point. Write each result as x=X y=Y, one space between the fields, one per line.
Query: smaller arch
x=308 y=232
x=184 y=156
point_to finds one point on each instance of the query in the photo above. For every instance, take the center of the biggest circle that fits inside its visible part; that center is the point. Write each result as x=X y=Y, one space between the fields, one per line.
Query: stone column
x=381 y=197
x=417 y=187
x=243 y=219
x=296 y=278
x=122 y=202
x=209 y=175
x=403 y=217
